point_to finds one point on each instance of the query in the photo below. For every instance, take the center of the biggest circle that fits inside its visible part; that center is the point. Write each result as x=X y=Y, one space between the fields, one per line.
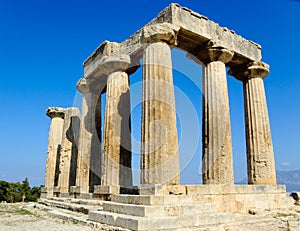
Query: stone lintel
x=196 y=30
x=193 y=30
x=199 y=28
x=106 y=48
x=55 y=112
x=250 y=70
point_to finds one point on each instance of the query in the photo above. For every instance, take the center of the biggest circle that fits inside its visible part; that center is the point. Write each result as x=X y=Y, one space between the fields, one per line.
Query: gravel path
x=14 y=218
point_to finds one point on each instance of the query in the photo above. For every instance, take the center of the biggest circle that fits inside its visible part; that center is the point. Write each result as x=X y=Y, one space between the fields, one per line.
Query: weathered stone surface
x=108 y=64
x=217 y=166
x=116 y=168
x=260 y=155
x=159 y=160
x=69 y=152
x=54 y=144
x=160 y=32
x=152 y=189
x=106 y=189
x=106 y=48
x=89 y=146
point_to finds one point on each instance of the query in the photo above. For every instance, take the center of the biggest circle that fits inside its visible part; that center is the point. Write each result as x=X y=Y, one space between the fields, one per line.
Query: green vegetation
x=288 y=228
x=23 y=212
x=17 y=192
x=285 y=215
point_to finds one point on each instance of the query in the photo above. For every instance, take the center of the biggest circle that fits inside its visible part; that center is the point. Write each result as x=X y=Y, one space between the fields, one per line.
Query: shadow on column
x=57 y=172
x=96 y=149
x=125 y=174
x=73 y=135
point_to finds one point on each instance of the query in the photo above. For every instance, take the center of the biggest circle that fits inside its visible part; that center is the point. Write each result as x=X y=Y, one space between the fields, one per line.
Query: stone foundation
x=193 y=206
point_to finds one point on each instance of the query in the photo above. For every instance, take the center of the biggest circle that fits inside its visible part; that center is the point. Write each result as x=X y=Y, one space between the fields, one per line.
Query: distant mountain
x=290 y=178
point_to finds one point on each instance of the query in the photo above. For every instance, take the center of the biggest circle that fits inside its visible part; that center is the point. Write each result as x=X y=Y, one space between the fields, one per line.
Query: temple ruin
x=80 y=165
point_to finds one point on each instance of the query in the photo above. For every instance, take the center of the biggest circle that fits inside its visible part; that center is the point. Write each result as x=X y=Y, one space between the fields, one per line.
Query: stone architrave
x=57 y=115
x=260 y=155
x=217 y=165
x=159 y=148
x=69 y=148
x=116 y=168
x=89 y=146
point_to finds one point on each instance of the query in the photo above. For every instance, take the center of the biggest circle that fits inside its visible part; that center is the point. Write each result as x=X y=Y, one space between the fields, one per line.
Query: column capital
x=55 y=112
x=250 y=70
x=211 y=54
x=110 y=64
x=82 y=86
x=160 y=32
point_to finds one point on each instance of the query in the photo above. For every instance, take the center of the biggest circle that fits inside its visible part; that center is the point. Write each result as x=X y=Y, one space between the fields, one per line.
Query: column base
x=47 y=192
x=56 y=191
x=81 y=192
x=106 y=189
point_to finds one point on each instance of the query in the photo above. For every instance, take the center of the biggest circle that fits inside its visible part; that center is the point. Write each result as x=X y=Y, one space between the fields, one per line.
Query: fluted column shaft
x=69 y=148
x=260 y=155
x=89 y=147
x=217 y=166
x=54 y=143
x=117 y=136
x=159 y=149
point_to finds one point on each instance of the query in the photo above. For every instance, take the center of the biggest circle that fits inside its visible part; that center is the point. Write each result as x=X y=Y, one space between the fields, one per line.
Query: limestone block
x=106 y=189
x=73 y=189
x=56 y=189
x=192 y=189
x=176 y=189
x=153 y=189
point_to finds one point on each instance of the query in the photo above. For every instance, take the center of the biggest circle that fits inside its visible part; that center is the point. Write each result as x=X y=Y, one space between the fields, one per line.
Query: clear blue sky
x=43 y=44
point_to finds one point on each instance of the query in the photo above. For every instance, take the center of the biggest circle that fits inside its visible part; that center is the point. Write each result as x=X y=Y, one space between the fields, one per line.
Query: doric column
x=89 y=147
x=116 y=169
x=69 y=149
x=260 y=155
x=159 y=147
x=54 y=143
x=217 y=166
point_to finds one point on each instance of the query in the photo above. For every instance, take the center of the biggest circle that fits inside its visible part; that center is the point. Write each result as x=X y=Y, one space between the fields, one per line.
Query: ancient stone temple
x=83 y=164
